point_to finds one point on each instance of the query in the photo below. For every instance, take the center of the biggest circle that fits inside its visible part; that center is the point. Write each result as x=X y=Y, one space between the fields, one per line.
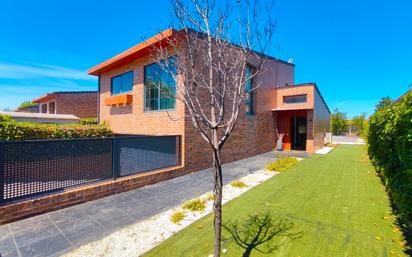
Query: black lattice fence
x=29 y=168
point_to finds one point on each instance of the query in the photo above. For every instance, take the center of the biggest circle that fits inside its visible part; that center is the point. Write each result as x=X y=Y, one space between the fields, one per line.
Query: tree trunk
x=217 y=204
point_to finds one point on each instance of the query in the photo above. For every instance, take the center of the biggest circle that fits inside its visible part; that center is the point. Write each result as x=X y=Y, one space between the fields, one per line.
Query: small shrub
x=210 y=197
x=238 y=184
x=88 y=121
x=195 y=205
x=282 y=164
x=177 y=217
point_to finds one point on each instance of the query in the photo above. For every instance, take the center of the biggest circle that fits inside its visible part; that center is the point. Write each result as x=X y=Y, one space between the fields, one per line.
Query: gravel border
x=140 y=237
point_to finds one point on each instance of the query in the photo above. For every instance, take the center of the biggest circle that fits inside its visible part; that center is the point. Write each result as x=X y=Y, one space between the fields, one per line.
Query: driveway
x=56 y=233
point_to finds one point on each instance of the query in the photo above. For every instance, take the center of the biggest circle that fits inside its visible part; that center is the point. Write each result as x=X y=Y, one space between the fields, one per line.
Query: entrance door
x=298 y=134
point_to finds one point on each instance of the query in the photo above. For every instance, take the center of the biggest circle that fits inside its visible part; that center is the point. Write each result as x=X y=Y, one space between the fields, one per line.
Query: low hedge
x=88 y=121
x=390 y=150
x=12 y=130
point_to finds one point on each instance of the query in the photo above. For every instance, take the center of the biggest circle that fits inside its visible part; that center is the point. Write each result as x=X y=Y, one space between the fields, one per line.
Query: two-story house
x=129 y=104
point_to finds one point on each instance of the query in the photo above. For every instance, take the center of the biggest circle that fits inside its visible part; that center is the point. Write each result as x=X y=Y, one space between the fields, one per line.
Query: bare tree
x=216 y=50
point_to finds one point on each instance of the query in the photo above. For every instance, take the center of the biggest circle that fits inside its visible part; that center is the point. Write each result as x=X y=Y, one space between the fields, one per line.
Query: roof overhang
x=44 y=98
x=134 y=52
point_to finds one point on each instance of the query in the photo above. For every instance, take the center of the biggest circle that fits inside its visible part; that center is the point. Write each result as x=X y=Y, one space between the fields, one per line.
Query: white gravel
x=324 y=150
x=140 y=237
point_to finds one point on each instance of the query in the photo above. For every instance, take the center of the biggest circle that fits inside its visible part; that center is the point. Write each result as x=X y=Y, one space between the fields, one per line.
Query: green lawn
x=336 y=202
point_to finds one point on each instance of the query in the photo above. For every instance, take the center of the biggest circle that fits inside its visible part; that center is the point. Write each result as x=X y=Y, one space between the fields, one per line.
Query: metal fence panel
x=38 y=166
x=140 y=154
x=32 y=167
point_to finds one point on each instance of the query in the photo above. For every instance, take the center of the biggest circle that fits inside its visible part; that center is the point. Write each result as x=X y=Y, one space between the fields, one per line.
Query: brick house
x=130 y=106
x=82 y=104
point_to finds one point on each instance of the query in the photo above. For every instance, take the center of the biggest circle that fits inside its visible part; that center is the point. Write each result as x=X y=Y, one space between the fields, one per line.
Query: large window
x=160 y=88
x=248 y=88
x=295 y=99
x=122 y=83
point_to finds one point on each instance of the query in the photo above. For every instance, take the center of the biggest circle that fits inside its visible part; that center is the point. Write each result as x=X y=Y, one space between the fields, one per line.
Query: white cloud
x=29 y=71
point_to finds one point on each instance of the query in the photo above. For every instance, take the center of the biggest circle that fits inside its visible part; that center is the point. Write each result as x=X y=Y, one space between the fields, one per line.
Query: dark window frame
x=159 y=94
x=296 y=99
x=122 y=91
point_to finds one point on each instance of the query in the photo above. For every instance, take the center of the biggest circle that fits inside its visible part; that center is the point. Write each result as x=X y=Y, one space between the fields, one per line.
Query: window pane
x=293 y=99
x=152 y=96
x=127 y=82
x=248 y=88
x=122 y=83
x=116 y=85
x=248 y=73
x=160 y=88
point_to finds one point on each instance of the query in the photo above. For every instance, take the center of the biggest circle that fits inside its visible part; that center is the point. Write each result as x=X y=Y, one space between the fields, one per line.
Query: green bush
x=195 y=205
x=282 y=164
x=238 y=184
x=12 y=130
x=177 y=217
x=390 y=150
x=5 y=118
x=88 y=121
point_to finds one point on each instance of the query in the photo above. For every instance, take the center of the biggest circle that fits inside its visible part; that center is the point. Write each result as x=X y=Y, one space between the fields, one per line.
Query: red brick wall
x=133 y=119
x=295 y=90
x=82 y=105
x=253 y=134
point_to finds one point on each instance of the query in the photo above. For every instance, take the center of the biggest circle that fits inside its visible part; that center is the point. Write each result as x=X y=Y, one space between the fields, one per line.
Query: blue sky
x=356 y=51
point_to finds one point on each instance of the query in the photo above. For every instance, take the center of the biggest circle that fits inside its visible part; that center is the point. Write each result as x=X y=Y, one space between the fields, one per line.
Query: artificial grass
x=335 y=201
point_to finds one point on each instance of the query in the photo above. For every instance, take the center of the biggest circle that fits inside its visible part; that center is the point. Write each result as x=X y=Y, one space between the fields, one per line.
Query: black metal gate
x=141 y=154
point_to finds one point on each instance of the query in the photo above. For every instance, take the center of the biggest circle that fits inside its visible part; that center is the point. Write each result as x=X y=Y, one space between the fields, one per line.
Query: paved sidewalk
x=59 y=232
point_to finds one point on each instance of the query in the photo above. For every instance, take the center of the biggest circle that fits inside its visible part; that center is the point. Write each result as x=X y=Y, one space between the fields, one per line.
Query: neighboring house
x=131 y=105
x=82 y=104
